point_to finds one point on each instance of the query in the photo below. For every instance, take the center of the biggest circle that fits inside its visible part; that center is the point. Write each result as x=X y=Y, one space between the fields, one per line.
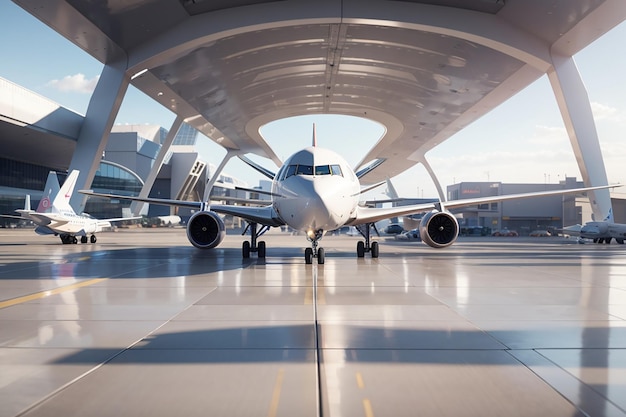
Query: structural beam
x=101 y=113
x=137 y=206
x=573 y=102
x=433 y=177
x=209 y=186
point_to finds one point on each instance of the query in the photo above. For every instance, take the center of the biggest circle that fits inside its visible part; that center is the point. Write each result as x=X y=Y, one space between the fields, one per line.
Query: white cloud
x=75 y=83
x=604 y=112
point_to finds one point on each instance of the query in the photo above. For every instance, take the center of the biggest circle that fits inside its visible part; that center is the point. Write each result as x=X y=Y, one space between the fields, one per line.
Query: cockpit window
x=304 y=170
x=322 y=170
x=281 y=171
x=291 y=170
x=308 y=170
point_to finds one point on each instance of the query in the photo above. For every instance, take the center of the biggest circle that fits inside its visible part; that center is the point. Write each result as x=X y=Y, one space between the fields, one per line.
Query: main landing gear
x=607 y=240
x=253 y=245
x=365 y=246
x=72 y=240
x=314 y=251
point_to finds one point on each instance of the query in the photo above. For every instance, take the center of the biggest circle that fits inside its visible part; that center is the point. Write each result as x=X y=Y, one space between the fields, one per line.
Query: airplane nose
x=310 y=210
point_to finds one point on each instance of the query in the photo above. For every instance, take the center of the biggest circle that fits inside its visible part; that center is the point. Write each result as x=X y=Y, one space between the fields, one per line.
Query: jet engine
x=205 y=230
x=439 y=229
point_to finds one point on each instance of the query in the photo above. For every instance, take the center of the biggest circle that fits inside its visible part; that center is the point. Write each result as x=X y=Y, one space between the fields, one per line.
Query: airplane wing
x=239 y=200
x=10 y=216
x=370 y=215
x=265 y=215
x=119 y=219
x=573 y=230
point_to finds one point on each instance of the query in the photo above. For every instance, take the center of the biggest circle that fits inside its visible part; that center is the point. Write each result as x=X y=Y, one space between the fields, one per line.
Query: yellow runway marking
x=276 y=395
x=44 y=294
x=359 y=380
x=367 y=407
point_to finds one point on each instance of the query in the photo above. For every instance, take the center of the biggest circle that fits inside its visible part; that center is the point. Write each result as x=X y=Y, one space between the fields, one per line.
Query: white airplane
x=600 y=231
x=316 y=191
x=59 y=218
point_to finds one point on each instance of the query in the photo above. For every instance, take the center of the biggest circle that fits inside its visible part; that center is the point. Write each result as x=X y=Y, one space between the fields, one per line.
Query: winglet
x=314 y=136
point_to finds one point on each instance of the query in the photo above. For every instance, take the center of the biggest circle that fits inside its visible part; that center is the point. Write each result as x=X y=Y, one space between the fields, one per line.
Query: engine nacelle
x=439 y=229
x=205 y=230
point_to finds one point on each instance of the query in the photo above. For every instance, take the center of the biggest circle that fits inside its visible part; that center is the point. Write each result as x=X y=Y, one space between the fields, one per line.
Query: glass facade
x=19 y=176
x=112 y=178
x=15 y=174
x=186 y=135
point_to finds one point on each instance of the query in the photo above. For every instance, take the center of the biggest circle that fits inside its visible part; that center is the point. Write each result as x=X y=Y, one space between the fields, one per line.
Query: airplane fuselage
x=315 y=191
x=68 y=223
x=604 y=230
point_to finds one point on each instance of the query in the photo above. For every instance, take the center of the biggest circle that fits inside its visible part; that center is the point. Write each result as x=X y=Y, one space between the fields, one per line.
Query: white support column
x=575 y=109
x=433 y=177
x=207 y=190
x=137 y=206
x=103 y=107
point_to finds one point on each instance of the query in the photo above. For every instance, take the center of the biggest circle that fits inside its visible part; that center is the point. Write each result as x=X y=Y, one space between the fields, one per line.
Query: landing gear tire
x=83 y=239
x=308 y=256
x=619 y=241
x=321 y=255
x=74 y=240
x=374 y=249
x=245 y=249
x=360 y=249
x=261 y=249
x=93 y=239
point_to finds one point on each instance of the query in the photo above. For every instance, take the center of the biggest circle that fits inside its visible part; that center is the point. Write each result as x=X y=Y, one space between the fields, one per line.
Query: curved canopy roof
x=423 y=69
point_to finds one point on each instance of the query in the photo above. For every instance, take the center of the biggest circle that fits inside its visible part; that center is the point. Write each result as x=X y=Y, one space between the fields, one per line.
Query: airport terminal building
x=38 y=136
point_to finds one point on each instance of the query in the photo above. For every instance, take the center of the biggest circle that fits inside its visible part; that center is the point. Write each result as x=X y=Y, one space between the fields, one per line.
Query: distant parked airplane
x=59 y=218
x=316 y=191
x=600 y=231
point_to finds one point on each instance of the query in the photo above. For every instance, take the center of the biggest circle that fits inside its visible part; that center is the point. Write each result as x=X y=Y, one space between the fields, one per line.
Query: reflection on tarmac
x=506 y=327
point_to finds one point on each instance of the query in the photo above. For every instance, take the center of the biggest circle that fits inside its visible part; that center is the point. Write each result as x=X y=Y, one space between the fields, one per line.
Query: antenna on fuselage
x=314 y=136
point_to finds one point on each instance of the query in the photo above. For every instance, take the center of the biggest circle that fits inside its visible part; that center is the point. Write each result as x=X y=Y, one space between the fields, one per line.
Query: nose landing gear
x=314 y=251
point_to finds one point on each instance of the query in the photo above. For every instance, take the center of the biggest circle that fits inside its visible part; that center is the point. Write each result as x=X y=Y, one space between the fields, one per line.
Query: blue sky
x=524 y=140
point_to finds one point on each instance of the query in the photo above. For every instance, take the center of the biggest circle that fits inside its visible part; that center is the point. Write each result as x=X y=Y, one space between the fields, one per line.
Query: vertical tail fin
x=61 y=202
x=314 y=136
x=50 y=191
x=391 y=190
x=26 y=210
